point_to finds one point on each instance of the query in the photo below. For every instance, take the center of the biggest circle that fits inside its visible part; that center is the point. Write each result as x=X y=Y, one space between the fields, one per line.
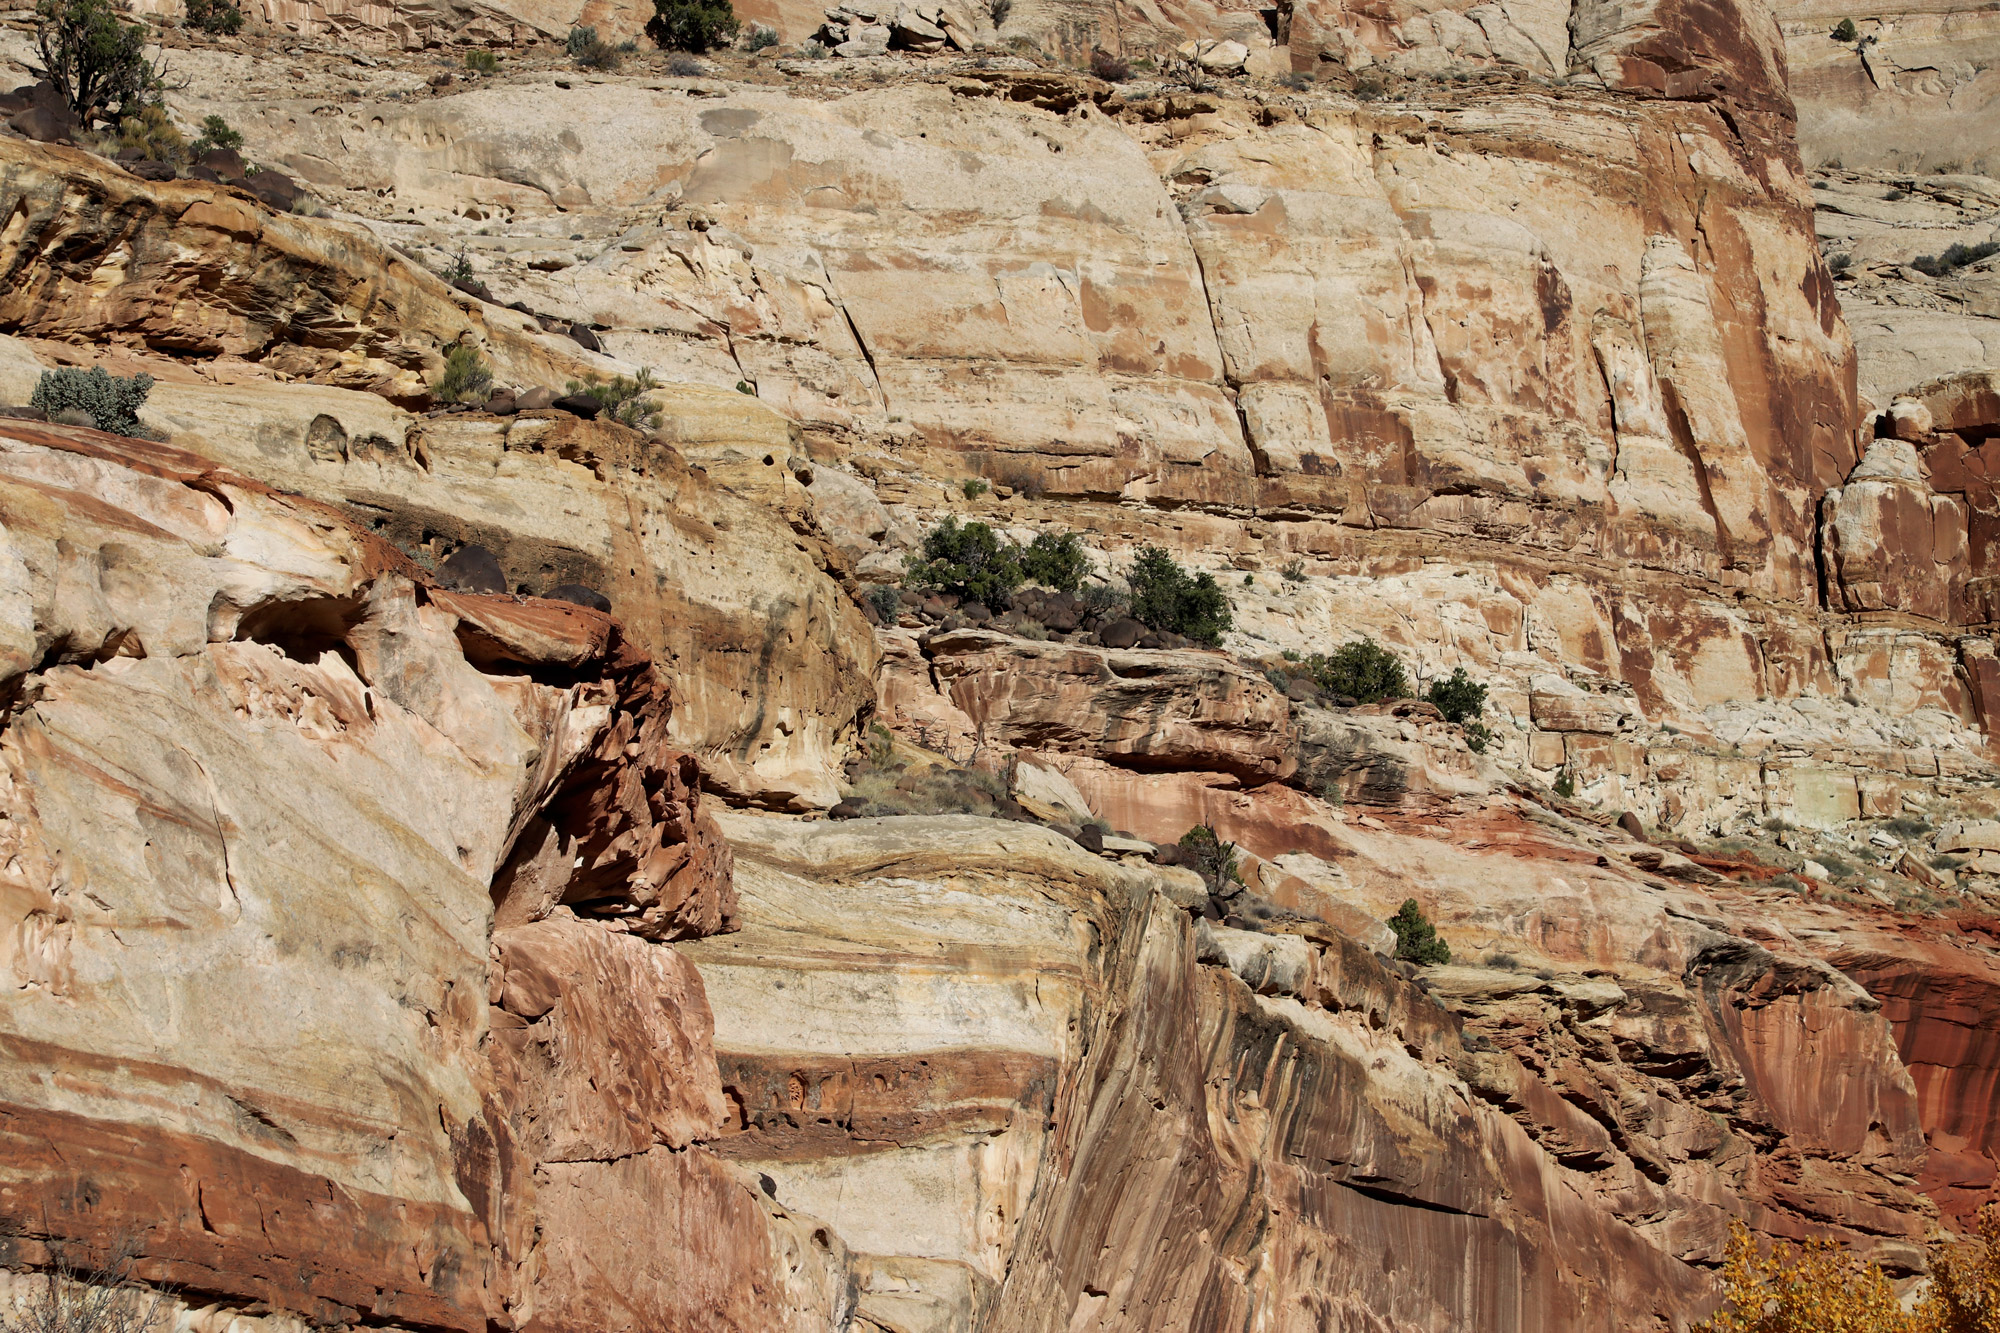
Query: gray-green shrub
x=466 y=378
x=111 y=401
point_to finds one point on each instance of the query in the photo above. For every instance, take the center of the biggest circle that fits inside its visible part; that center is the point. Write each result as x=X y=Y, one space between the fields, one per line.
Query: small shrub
x=1903 y=826
x=692 y=25
x=973 y=487
x=624 y=398
x=219 y=18
x=1956 y=256
x=102 y=1298
x=111 y=402
x=466 y=378
x=1841 y=265
x=814 y=51
x=597 y=55
x=1105 y=602
x=1897 y=196
x=1110 y=68
x=1295 y=572
x=1417 y=939
x=968 y=561
x=589 y=52
x=94 y=59
x=888 y=603
x=460 y=275
x=762 y=38
x=1566 y=785
x=1297 y=81
x=1363 y=671
x=1477 y=737
x=215 y=133
x=152 y=135
x=482 y=62
x=1370 y=88
x=881 y=745
x=1056 y=560
x=1845 y=31
x=998 y=10
x=1166 y=597
x=1249 y=580
x=684 y=66
x=1457 y=696
x=1211 y=858
x=1187 y=70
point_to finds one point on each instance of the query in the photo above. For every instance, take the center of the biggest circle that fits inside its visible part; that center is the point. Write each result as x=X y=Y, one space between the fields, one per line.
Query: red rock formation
x=261 y=804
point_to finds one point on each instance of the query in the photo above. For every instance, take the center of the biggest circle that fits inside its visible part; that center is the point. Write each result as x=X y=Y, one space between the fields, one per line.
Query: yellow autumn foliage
x=1819 y=1289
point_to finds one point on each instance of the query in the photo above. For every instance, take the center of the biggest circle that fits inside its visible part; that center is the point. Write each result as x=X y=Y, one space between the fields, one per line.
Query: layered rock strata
x=1033 y=1092
x=1548 y=382
x=267 y=789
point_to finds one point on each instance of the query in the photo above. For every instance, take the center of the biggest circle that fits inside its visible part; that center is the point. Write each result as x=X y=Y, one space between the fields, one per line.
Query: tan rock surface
x=1146 y=709
x=1543 y=381
x=953 y=1010
x=260 y=780
x=770 y=658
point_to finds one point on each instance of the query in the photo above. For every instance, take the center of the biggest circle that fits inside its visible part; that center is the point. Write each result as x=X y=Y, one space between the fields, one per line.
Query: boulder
x=274 y=188
x=1969 y=835
x=1968 y=401
x=226 y=163
x=473 y=569
x=43 y=125
x=580 y=595
x=863 y=41
x=534 y=400
x=1890 y=543
x=583 y=405
x=909 y=30
x=1124 y=633
x=1557 y=705
x=1150 y=709
x=1910 y=419
x=848 y=512
x=1216 y=57
x=152 y=171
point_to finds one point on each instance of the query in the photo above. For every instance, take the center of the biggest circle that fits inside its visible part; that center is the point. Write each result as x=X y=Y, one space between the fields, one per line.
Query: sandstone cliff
x=393 y=942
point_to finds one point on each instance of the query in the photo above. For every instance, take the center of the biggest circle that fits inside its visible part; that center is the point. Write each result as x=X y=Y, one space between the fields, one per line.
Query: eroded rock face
x=262 y=785
x=715 y=570
x=1144 y=709
x=1547 y=382
x=1189 y=1118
